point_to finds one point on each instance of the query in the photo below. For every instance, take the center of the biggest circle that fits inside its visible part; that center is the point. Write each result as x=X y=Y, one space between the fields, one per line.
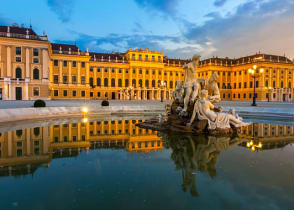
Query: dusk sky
x=180 y=28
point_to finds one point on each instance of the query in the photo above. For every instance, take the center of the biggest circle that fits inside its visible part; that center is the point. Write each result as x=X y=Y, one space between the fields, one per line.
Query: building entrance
x=18 y=93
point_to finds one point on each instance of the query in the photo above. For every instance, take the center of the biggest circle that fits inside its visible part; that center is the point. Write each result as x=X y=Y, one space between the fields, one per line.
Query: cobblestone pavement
x=97 y=103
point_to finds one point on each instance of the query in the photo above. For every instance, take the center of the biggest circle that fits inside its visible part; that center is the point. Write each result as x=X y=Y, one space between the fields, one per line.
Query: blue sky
x=180 y=28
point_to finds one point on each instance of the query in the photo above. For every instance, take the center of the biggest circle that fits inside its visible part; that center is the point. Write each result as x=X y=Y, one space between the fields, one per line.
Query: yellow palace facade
x=31 y=67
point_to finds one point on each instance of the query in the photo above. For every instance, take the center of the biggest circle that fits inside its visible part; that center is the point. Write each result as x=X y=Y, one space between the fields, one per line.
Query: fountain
x=193 y=108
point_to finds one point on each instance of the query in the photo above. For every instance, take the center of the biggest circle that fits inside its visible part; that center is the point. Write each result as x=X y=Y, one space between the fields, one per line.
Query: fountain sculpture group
x=193 y=107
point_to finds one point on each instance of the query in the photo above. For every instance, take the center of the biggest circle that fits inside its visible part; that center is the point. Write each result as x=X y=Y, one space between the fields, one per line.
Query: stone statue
x=213 y=90
x=204 y=109
x=190 y=82
x=178 y=93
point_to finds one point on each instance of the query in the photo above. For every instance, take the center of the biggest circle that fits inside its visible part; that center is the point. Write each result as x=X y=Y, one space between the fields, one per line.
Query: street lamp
x=162 y=86
x=255 y=73
x=268 y=93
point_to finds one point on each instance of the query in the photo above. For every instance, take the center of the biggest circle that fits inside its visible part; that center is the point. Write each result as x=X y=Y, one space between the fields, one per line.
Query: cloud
x=256 y=25
x=62 y=8
x=172 y=46
x=219 y=3
x=163 y=6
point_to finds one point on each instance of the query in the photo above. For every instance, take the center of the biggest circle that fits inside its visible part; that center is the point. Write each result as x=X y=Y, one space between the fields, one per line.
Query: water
x=111 y=164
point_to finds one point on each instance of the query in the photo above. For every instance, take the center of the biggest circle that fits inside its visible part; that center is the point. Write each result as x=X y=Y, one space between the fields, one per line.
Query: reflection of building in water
x=23 y=151
x=270 y=136
x=197 y=153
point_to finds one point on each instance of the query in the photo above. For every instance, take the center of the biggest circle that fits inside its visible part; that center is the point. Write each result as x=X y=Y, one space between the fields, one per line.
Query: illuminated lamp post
x=255 y=73
x=162 y=86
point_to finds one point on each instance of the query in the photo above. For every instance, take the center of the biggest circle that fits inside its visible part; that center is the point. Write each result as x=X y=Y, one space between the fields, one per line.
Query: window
x=112 y=82
x=18 y=73
x=126 y=83
x=256 y=84
x=134 y=71
x=140 y=71
x=35 y=52
x=83 y=93
x=65 y=63
x=240 y=85
x=274 y=84
x=244 y=95
x=36 y=60
x=266 y=83
x=91 y=94
x=55 y=79
x=18 y=50
x=98 y=70
x=245 y=84
x=91 y=82
x=127 y=71
x=153 y=58
x=65 y=93
x=235 y=85
x=36 y=74
x=159 y=58
x=289 y=85
x=113 y=70
x=140 y=83
x=147 y=71
x=17 y=59
x=65 y=80
x=147 y=83
x=153 y=72
x=55 y=92
x=133 y=57
x=83 y=80
x=74 y=79
x=98 y=94
x=98 y=82
x=159 y=72
x=83 y=64
x=119 y=83
x=239 y=95
x=74 y=64
x=153 y=83
x=282 y=84
x=140 y=57
x=119 y=70
x=134 y=83
x=74 y=93
x=55 y=62
x=91 y=69
x=19 y=152
x=146 y=57
x=105 y=82
x=105 y=70
x=171 y=84
x=36 y=91
x=251 y=84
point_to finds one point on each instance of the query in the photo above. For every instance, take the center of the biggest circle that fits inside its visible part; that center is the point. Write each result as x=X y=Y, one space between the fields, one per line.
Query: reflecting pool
x=95 y=163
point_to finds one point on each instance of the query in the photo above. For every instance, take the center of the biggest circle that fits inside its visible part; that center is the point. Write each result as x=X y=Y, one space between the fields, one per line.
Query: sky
x=179 y=28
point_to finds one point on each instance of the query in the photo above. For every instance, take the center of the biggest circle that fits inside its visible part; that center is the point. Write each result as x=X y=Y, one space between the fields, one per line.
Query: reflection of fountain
x=199 y=153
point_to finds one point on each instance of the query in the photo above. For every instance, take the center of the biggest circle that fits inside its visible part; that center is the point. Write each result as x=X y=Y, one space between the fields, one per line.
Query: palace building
x=31 y=67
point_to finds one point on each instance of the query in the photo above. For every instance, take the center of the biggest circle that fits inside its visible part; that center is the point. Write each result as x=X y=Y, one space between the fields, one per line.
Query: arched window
x=147 y=83
x=153 y=83
x=119 y=83
x=282 y=84
x=19 y=133
x=289 y=85
x=140 y=83
x=171 y=84
x=91 y=81
x=126 y=83
x=18 y=73
x=274 y=84
x=105 y=82
x=98 y=82
x=37 y=131
x=112 y=82
x=36 y=74
x=134 y=83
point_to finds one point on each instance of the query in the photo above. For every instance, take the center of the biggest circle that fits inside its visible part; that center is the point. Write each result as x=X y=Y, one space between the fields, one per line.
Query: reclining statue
x=204 y=109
